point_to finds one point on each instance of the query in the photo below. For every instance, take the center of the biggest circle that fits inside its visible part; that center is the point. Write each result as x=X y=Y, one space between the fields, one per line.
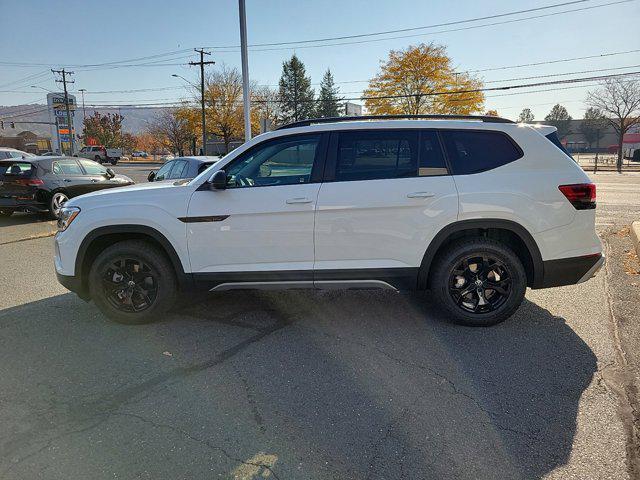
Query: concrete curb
x=635 y=236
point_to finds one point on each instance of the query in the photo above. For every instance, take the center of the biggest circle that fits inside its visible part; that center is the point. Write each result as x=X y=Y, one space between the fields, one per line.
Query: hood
x=139 y=192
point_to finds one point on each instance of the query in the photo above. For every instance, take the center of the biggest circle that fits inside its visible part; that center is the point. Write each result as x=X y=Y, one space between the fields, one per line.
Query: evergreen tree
x=560 y=118
x=296 y=94
x=328 y=104
x=526 y=116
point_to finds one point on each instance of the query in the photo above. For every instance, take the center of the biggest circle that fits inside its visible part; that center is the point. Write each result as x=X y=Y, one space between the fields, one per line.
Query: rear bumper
x=569 y=271
x=11 y=203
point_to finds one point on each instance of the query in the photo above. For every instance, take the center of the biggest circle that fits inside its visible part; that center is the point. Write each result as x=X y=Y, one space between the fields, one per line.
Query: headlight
x=67 y=215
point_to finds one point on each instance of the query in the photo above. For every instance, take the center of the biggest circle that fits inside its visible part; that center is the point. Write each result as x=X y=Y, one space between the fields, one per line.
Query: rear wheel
x=98 y=159
x=132 y=282
x=114 y=161
x=6 y=212
x=479 y=282
x=56 y=202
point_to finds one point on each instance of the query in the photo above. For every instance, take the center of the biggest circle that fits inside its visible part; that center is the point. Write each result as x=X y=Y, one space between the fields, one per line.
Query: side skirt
x=404 y=279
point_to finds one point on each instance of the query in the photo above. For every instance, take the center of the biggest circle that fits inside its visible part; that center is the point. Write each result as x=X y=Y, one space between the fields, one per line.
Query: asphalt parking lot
x=305 y=385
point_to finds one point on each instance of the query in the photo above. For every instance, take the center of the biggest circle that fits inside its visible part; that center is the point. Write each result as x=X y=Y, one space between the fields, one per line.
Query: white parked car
x=8 y=153
x=470 y=210
x=101 y=154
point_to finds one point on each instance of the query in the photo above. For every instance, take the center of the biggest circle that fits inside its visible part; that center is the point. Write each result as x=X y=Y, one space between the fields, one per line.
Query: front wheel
x=132 y=283
x=479 y=282
x=6 y=212
x=114 y=161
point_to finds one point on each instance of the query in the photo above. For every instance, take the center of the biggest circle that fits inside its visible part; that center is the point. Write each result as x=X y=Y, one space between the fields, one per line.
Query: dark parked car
x=41 y=184
x=182 y=167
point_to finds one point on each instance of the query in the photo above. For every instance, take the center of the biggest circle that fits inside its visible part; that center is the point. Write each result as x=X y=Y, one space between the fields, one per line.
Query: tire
x=98 y=159
x=456 y=289
x=153 y=292
x=55 y=202
x=6 y=213
x=114 y=161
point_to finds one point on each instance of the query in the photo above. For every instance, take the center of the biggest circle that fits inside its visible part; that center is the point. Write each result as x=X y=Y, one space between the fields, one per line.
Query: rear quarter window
x=21 y=169
x=474 y=151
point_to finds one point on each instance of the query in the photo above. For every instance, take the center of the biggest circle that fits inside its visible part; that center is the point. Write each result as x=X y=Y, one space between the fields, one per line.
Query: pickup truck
x=100 y=154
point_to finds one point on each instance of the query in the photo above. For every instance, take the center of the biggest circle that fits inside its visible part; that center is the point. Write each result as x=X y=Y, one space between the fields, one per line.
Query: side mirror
x=219 y=180
x=110 y=173
x=151 y=177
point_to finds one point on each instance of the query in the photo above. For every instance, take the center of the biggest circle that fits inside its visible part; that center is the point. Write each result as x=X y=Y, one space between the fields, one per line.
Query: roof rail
x=314 y=121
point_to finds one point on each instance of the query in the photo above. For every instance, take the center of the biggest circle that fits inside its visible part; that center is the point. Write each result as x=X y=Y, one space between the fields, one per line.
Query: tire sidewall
x=146 y=253
x=444 y=268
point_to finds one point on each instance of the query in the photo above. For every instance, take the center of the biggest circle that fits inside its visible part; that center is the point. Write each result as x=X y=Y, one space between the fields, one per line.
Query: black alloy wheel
x=478 y=281
x=129 y=284
x=133 y=282
x=480 y=284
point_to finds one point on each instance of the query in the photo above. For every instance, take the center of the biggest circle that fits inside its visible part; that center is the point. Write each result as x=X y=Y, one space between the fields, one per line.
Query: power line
x=87 y=65
x=471 y=27
x=386 y=32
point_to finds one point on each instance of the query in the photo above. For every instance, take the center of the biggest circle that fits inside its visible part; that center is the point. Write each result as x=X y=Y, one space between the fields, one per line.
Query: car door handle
x=67 y=180
x=420 y=195
x=299 y=200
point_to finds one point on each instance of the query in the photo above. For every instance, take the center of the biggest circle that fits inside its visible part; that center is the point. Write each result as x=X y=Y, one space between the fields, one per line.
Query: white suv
x=472 y=209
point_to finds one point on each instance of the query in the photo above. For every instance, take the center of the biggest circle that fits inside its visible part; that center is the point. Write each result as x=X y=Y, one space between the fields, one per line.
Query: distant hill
x=135 y=118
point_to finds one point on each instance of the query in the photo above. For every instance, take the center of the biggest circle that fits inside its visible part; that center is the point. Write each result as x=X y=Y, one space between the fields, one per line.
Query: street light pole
x=245 y=71
x=84 y=113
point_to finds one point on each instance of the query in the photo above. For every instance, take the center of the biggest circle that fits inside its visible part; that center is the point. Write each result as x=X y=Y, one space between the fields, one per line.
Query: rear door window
x=67 y=167
x=474 y=151
x=371 y=155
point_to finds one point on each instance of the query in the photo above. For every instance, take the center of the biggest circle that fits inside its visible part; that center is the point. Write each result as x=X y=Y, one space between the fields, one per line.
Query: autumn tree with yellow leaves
x=421 y=80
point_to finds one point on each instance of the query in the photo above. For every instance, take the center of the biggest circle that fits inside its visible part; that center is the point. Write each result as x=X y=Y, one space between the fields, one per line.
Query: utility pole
x=245 y=71
x=202 y=63
x=64 y=82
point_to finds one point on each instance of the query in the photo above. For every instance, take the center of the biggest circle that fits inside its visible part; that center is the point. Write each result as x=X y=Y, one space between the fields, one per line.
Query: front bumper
x=569 y=271
x=73 y=283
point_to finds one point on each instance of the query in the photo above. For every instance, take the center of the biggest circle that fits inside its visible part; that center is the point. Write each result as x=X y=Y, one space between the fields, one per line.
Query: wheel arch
x=102 y=237
x=511 y=233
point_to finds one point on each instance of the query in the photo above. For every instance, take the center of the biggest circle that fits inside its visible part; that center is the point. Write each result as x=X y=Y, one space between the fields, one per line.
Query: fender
x=184 y=279
x=516 y=228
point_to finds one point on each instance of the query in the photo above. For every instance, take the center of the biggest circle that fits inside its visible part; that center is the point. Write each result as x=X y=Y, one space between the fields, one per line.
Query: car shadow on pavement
x=332 y=385
x=24 y=219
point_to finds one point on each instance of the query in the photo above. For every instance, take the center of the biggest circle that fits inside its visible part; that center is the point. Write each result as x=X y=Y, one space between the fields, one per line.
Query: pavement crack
x=621 y=380
x=201 y=441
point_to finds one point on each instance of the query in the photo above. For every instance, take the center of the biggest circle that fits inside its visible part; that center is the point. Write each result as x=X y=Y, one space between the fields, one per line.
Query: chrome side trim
x=261 y=286
x=353 y=284
x=322 y=285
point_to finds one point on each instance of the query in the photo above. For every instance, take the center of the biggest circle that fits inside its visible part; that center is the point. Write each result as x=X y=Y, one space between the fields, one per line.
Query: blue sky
x=116 y=30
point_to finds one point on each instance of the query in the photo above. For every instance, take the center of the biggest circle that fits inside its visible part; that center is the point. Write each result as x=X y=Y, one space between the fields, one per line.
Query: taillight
x=581 y=195
x=29 y=182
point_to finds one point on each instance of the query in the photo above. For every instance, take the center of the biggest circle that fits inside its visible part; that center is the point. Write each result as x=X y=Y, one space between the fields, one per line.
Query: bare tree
x=619 y=100
x=265 y=103
x=171 y=127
